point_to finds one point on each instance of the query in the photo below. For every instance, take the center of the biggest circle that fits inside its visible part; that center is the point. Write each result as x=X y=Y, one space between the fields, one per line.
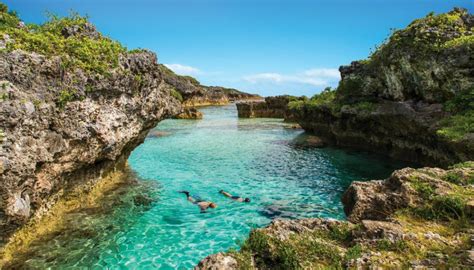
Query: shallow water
x=263 y=159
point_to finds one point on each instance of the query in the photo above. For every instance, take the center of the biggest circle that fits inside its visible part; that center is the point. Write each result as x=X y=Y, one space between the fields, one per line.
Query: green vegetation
x=177 y=95
x=7 y=18
x=64 y=97
x=457 y=126
x=96 y=54
x=326 y=98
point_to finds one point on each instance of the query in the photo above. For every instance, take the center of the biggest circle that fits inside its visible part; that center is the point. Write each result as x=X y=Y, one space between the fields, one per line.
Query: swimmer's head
x=212 y=205
x=246 y=200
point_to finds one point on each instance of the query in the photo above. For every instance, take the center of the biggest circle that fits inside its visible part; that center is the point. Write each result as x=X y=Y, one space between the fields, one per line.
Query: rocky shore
x=417 y=218
x=412 y=99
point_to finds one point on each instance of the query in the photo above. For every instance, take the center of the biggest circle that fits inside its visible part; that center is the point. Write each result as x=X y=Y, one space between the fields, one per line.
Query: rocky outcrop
x=405 y=221
x=271 y=107
x=412 y=99
x=63 y=125
x=192 y=93
x=189 y=113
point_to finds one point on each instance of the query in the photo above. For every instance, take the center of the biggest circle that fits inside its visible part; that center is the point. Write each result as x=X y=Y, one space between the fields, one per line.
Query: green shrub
x=442 y=207
x=97 y=55
x=457 y=126
x=8 y=18
x=453 y=177
x=365 y=106
x=396 y=246
x=177 y=95
x=354 y=252
x=64 y=97
x=461 y=102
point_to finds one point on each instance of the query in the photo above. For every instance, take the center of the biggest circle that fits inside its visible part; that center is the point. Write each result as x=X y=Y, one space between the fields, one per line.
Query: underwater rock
x=157 y=134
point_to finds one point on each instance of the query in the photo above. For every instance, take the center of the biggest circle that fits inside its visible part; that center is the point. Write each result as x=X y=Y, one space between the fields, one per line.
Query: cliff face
x=192 y=93
x=412 y=99
x=67 y=119
x=415 y=219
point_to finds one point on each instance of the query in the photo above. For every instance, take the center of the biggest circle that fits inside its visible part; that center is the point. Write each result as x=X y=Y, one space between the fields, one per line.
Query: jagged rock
x=195 y=94
x=217 y=261
x=46 y=148
x=189 y=113
x=87 y=30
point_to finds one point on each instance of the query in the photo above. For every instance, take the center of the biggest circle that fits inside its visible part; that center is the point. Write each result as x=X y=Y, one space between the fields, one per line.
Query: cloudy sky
x=260 y=46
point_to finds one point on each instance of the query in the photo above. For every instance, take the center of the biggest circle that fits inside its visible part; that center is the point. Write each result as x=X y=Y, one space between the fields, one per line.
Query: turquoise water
x=263 y=159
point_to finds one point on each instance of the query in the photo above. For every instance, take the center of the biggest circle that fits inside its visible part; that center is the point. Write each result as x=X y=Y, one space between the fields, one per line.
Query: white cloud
x=183 y=70
x=314 y=77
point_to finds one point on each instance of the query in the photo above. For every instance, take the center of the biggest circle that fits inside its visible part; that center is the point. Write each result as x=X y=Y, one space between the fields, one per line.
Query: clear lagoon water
x=263 y=159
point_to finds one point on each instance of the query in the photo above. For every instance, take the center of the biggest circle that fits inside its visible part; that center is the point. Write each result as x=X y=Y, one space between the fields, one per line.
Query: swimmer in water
x=203 y=205
x=235 y=198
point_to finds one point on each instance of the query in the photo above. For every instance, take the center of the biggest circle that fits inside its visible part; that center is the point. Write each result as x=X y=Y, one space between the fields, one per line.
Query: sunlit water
x=263 y=159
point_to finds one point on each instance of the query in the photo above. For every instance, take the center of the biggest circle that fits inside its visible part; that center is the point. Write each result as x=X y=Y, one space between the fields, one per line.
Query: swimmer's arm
x=226 y=194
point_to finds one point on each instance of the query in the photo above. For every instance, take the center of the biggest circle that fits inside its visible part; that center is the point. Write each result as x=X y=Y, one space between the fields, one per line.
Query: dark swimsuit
x=235 y=197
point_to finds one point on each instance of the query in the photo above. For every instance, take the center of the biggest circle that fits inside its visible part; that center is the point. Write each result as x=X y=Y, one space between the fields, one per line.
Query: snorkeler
x=235 y=198
x=203 y=205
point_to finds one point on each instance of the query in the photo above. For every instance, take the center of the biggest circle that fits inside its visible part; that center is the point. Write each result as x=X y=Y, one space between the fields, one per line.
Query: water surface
x=263 y=159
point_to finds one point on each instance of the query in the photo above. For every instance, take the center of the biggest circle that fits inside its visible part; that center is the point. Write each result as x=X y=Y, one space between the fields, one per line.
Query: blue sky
x=259 y=46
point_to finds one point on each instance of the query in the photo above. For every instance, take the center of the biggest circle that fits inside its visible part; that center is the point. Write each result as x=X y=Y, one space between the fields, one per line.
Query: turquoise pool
x=263 y=159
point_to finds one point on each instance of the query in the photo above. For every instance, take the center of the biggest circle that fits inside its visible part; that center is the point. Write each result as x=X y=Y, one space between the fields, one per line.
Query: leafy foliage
x=457 y=126
x=92 y=54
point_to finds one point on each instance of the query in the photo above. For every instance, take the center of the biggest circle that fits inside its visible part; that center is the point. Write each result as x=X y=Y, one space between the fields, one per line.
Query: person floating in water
x=203 y=205
x=235 y=198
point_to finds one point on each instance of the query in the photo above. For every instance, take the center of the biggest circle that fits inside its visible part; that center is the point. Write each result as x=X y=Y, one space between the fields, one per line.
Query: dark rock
x=271 y=107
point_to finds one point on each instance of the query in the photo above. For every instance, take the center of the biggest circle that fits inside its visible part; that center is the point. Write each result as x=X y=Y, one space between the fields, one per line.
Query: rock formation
x=69 y=119
x=271 y=107
x=192 y=93
x=412 y=99
x=189 y=113
x=414 y=219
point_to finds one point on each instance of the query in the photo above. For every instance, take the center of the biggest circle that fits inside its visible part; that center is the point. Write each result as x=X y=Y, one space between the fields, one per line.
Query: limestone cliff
x=192 y=93
x=413 y=99
x=73 y=105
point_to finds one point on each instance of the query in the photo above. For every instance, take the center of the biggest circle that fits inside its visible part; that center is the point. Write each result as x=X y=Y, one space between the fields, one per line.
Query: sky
x=258 y=46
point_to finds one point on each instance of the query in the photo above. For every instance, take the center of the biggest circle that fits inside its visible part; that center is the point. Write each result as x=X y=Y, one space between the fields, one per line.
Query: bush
x=457 y=126
x=442 y=207
x=97 y=55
